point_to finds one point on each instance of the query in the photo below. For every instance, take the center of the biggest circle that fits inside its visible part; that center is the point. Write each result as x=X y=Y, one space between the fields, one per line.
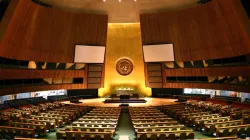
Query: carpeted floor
x=125 y=126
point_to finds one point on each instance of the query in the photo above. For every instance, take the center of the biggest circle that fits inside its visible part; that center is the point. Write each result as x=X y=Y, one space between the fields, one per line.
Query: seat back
x=100 y=130
x=18 y=133
x=97 y=137
x=162 y=137
x=87 y=137
x=234 y=132
x=107 y=137
x=248 y=131
x=183 y=136
x=11 y=133
x=171 y=136
x=59 y=136
x=153 y=137
x=140 y=130
x=241 y=131
x=190 y=136
x=69 y=136
x=3 y=133
x=143 y=137
x=225 y=132
x=25 y=134
x=183 y=128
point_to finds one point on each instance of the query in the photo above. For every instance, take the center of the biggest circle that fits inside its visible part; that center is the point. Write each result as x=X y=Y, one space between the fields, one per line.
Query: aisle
x=125 y=127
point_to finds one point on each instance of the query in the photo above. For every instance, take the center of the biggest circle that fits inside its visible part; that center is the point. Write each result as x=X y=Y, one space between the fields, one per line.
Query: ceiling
x=126 y=11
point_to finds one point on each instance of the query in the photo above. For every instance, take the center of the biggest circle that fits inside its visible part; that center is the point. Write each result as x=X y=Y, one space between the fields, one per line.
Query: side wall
x=218 y=29
x=46 y=34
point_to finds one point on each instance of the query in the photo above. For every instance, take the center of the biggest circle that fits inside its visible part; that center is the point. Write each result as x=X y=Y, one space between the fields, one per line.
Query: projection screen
x=158 y=53
x=89 y=54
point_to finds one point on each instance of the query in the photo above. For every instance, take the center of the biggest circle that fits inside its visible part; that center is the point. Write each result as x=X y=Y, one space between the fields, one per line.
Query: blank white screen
x=89 y=54
x=158 y=53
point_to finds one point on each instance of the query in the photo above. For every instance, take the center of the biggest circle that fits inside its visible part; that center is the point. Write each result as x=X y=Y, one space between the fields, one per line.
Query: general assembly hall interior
x=124 y=69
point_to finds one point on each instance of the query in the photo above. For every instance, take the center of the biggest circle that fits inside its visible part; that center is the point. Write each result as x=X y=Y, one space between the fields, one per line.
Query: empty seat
x=241 y=131
x=59 y=136
x=3 y=132
x=183 y=136
x=67 y=129
x=97 y=137
x=25 y=134
x=234 y=132
x=87 y=137
x=140 y=130
x=11 y=133
x=100 y=130
x=77 y=136
x=171 y=136
x=190 y=136
x=162 y=137
x=143 y=137
x=153 y=137
x=69 y=136
x=183 y=128
x=174 y=129
x=83 y=129
x=18 y=133
x=107 y=137
x=248 y=131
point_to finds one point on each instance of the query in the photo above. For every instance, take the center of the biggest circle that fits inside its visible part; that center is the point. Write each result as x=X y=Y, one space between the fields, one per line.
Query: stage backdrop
x=124 y=43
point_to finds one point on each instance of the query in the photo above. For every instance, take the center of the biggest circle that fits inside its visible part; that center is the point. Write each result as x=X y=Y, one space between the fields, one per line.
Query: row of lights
x=118 y=0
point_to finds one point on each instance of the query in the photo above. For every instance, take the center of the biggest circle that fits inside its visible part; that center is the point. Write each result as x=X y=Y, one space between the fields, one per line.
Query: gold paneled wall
x=124 y=41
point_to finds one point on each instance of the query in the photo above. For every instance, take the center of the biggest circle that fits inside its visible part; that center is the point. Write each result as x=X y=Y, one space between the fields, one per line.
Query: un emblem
x=124 y=67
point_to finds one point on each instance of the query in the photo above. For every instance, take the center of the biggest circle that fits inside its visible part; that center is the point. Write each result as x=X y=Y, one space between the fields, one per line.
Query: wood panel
x=95 y=68
x=155 y=79
x=218 y=29
x=28 y=74
x=7 y=18
x=155 y=85
x=241 y=88
x=47 y=34
x=95 y=76
x=94 y=86
x=94 y=80
x=7 y=91
x=154 y=75
x=219 y=71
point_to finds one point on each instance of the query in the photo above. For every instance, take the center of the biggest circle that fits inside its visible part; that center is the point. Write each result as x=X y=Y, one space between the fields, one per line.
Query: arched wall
x=218 y=29
x=34 y=32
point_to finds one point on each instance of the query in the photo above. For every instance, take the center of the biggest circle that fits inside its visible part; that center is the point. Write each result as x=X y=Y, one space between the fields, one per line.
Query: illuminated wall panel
x=124 y=41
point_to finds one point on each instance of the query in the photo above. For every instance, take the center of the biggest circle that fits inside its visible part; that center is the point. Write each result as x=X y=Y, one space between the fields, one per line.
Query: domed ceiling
x=121 y=11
